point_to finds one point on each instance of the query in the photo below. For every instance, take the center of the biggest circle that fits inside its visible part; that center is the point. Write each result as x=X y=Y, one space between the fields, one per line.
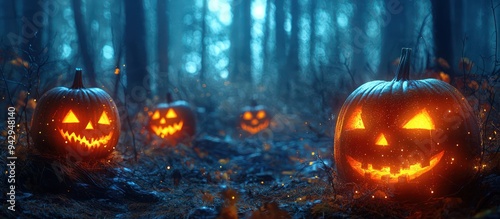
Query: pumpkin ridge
x=367 y=90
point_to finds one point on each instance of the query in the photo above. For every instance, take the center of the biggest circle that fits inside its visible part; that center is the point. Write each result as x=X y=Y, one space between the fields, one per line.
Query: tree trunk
x=32 y=29
x=135 y=51
x=394 y=34
x=83 y=45
x=10 y=17
x=443 y=38
x=240 y=69
x=280 y=46
x=163 y=40
x=290 y=75
x=203 y=41
x=265 y=42
x=312 y=36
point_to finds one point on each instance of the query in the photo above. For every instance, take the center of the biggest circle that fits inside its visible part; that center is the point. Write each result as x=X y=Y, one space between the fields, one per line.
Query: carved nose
x=89 y=126
x=254 y=122
x=381 y=140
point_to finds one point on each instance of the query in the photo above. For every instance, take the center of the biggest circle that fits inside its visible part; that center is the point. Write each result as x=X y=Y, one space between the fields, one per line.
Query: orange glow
x=381 y=140
x=171 y=114
x=385 y=175
x=247 y=116
x=168 y=130
x=89 y=142
x=420 y=121
x=355 y=122
x=70 y=118
x=255 y=129
x=89 y=125
x=254 y=122
x=104 y=119
x=261 y=114
x=156 y=115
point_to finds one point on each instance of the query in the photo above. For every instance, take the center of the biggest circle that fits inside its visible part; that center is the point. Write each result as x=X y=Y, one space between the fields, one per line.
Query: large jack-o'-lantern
x=254 y=118
x=77 y=120
x=418 y=135
x=173 y=121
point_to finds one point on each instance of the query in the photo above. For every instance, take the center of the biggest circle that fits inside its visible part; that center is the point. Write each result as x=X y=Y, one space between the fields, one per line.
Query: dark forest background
x=300 y=56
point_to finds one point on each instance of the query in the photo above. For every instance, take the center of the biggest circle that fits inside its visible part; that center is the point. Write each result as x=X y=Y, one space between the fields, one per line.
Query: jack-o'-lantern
x=173 y=121
x=77 y=120
x=413 y=134
x=254 y=118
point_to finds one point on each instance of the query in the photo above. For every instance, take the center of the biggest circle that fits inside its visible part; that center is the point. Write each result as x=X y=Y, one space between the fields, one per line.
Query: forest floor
x=253 y=177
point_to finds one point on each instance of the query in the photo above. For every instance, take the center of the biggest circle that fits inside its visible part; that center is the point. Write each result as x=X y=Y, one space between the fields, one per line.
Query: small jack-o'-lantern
x=418 y=135
x=254 y=118
x=173 y=121
x=77 y=120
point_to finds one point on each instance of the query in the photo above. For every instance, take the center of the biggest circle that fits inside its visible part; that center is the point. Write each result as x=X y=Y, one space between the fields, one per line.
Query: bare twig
x=349 y=72
x=129 y=123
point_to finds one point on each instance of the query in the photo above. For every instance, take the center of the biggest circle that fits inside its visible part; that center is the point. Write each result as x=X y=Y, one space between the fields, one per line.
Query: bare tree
x=163 y=40
x=135 y=48
x=241 y=64
x=443 y=40
x=9 y=15
x=203 y=41
x=313 y=4
x=280 y=45
x=265 y=42
x=83 y=44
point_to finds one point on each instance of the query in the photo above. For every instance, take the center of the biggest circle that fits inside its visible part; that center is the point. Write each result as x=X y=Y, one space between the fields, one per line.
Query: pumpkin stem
x=403 y=72
x=253 y=102
x=169 y=98
x=78 y=82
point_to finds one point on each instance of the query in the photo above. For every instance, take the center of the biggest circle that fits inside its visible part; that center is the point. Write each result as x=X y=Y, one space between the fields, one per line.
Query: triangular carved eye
x=420 y=121
x=70 y=118
x=171 y=114
x=156 y=115
x=355 y=122
x=104 y=119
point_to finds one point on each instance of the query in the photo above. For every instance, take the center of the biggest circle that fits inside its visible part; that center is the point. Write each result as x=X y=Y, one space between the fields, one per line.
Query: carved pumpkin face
x=173 y=121
x=89 y=134
x=384 y=169
x=407 y=132
x=81 y=121
x=254 y=119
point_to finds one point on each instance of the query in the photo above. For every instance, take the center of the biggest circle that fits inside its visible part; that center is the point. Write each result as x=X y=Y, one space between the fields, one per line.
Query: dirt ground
x=280 y=176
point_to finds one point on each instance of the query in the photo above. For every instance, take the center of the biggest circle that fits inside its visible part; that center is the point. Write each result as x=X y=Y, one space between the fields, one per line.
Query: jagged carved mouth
x=83 y=140
x=255 y=129
x=384 y=174
x=167 y=130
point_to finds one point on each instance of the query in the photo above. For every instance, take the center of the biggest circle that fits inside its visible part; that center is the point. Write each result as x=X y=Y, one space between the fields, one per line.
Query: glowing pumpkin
x=413 y=134
x=254 y=118
x=173 y=121
x=77 y=120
